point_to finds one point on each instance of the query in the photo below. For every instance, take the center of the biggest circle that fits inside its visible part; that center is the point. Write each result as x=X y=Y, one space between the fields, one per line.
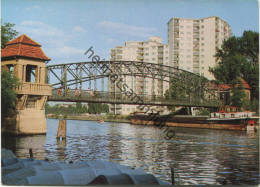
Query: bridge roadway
x=132 y=99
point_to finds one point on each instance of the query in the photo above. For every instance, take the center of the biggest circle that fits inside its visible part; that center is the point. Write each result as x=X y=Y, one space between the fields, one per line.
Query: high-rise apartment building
x=152 y=51
x=194 y=42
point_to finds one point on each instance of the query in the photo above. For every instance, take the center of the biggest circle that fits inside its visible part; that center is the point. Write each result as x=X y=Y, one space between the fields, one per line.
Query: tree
x=186 y=87
x=238 y=97
x=7 y=33
x=8 y=95
x=97 y=108
x=239 y=58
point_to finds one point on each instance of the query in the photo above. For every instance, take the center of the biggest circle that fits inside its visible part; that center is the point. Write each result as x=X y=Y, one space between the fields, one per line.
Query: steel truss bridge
x=85 y=82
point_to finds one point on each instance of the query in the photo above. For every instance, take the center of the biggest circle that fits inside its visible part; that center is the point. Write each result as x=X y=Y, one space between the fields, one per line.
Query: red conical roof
x=23 y=46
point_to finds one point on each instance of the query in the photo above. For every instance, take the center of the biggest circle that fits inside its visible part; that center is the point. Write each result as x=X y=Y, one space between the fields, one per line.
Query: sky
x=68 y=28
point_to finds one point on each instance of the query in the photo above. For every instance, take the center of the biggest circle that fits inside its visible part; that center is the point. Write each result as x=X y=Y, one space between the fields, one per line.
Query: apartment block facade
x=152 y=51
x=194 y=42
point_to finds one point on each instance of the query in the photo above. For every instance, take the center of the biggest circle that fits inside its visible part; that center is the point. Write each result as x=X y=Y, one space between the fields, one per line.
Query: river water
x=198 y=156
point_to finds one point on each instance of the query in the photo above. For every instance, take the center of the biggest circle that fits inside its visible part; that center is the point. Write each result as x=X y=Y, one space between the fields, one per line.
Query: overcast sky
x=67 y=28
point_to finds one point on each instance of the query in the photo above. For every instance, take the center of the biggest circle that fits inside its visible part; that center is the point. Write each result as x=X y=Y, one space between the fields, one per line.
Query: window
x=202 y=44
x=202 y=38
x=153 y=59
x=11 y=68
x=30 y=73
x=188 y=56
x=188 y=32
x=146 y=54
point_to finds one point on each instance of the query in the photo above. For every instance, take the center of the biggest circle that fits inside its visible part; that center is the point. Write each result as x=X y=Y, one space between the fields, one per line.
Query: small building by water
x=24 y=58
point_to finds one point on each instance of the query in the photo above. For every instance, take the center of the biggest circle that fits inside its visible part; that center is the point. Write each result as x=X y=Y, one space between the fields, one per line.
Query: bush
x=204 y=112
x=8 y=95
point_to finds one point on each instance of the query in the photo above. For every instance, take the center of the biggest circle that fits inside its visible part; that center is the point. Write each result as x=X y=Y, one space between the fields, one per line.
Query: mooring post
x=61 y=129
x=172 y=175
x=31 y=153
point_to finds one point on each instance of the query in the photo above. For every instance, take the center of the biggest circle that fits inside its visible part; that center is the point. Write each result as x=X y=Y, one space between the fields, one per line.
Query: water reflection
x=198 y=156
x=61 y=148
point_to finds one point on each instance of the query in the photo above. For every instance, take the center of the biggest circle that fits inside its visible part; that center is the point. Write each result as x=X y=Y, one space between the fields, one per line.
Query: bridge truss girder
x=80 y=72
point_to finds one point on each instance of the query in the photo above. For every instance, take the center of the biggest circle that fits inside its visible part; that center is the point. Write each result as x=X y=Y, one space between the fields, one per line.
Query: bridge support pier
x=29 y=117
x=31 y=121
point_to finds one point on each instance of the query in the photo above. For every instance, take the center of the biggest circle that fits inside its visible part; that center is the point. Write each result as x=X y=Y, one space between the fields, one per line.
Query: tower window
x=30 y=73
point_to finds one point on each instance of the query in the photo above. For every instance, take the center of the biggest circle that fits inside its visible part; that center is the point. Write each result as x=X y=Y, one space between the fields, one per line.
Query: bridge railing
x=123 y=98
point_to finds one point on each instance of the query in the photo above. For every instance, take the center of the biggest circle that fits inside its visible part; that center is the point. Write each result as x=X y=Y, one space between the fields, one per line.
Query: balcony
x=160 y=50
x=160 y=61
x=141 y=52
x=195 y=59
x=196 y=53
x=140 y=57
x=118 y=57
x=196 y=28
x=119 y=51
x=176 y=28
x=34 y=89
x=160 y=55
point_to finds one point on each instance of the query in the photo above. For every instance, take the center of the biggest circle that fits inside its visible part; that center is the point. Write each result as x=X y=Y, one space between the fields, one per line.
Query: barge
x=243 y=121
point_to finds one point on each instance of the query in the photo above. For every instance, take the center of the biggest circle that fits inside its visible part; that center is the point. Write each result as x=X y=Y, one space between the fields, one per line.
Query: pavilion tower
x=25 y=59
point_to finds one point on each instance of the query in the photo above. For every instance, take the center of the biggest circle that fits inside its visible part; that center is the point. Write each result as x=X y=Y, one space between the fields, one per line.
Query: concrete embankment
x=38 y=172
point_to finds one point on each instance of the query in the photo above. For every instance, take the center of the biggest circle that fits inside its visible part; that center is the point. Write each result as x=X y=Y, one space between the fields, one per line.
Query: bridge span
x=84 y=76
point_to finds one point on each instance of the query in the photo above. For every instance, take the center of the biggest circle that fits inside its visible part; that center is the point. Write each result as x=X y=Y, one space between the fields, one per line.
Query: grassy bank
x=106 y=118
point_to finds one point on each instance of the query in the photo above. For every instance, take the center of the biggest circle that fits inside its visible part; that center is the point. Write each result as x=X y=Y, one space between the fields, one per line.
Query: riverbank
x=105 y=118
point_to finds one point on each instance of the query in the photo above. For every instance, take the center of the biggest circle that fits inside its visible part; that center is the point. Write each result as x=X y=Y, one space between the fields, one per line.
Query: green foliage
x=186 y=87
x=238 y=97
x=97 y=108
x=228 y=69
x=93 y=108
x=254 y=106
x=8 y=95
x=239 y=58
x=204 y=112
x=7 y=33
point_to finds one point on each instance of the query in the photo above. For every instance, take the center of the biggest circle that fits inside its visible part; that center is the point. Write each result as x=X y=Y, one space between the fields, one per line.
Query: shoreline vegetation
x=93 y=117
